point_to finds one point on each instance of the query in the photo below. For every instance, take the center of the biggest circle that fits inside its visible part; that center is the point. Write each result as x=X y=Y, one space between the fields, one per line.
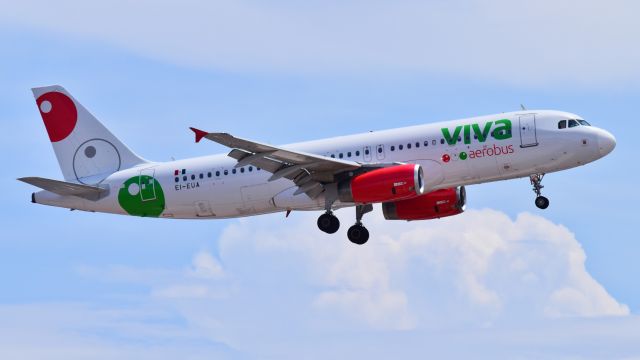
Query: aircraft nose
x=606 y=142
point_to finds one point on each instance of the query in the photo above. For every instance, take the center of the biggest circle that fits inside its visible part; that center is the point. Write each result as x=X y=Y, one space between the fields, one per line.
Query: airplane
x=415 y=173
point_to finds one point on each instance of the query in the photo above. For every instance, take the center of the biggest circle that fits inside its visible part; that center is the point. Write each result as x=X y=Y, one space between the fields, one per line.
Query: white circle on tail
x=134 y=189
x=45 y=106
x=94 y=160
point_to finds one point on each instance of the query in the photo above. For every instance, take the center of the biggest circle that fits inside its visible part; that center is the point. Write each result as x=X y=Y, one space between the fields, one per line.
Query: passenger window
x=358 y=153
x=257 y=169
x=340 y=155
x=250 y=168
x=426 y=143
x=366 y=151
x=209 y=174
x=442 y=141
x=409 y=146
x=177 y=179
x=242 y=170
x=393 y=148
x=217 y=173
x=184 y=178
x=193 y=177
x=201 y=176
x=400 y=147
x=433 y=142
x=349 y=154
x=562 y=124
x=379 y=149
x=573 y=123
x=417 y=144
x=233 y=171
x=226 y=172
x=333 y=156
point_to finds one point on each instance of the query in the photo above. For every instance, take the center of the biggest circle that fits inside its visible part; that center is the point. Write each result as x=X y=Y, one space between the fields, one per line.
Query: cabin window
x=393 y=148
x=209 y=174
x=340 y=155
x=242 y=170
x=417 y=144
x=358 y=153
x=233 y=171
x=426 y=143
x=333 y=156
x=184 y=178
x=257 y=169
x=226 y=172
x=201 y=176
x=250 y=168
x=442 y=141
x=400 y=147
x=562 y=124
x=217 y=173
x=366 y=151
x=379 y=149
x=573 y=123
x=409 y=146
x=193 y=176
x=177 y=179
x=349 y=154
x=433 y=142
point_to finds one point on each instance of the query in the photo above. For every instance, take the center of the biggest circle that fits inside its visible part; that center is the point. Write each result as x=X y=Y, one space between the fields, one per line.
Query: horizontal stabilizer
x=63 y=188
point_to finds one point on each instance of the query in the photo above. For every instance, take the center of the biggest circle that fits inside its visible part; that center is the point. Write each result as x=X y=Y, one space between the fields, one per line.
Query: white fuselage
x=210 y=186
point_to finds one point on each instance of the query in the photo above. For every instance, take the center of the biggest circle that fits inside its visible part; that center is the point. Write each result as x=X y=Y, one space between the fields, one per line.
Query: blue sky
x=504 y=280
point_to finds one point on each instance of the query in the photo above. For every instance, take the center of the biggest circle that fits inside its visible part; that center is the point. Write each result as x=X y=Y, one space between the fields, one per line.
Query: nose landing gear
x=541 y=201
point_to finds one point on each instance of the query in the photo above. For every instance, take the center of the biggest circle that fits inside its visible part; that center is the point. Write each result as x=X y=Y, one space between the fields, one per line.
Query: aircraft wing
x=64 y=188
x=308 y=171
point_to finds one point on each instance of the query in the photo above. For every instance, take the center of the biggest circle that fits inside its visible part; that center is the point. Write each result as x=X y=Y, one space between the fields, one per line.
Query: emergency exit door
x=528 y=136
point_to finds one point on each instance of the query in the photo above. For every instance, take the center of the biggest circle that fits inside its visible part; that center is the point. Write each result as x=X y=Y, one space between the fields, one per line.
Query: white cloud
x=480 y=266
x=560 y=42
x=478 y=285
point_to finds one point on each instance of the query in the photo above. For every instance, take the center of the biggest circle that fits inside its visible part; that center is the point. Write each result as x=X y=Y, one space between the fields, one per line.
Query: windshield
x=583 y=122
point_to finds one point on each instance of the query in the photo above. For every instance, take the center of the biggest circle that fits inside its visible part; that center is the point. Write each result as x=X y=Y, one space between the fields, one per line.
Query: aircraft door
x=147 y=184
x=528 y=136
x=367 y=153
x=380 y=152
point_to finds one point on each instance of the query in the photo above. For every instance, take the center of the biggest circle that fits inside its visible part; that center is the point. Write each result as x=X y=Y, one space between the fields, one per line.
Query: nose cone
x=606 y=142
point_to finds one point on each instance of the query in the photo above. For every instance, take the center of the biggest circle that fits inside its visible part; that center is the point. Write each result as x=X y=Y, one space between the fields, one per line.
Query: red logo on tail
x=59 y=114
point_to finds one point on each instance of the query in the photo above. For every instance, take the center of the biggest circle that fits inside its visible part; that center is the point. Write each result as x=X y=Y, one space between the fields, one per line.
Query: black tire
x=328 y=223
x=542 y=202
x=358 y=234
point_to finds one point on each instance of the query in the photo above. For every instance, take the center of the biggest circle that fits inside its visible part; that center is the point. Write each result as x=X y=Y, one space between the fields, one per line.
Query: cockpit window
x=583 y=122
x=573 y=123
x=562 y=124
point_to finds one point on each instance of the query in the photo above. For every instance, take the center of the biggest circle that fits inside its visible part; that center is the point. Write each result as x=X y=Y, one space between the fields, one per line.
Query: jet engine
x=385 y=184
x=436 y=204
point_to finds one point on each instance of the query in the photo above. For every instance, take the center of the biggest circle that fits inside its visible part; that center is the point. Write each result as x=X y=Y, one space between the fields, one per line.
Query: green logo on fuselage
x=142 y=196
x=501 y=131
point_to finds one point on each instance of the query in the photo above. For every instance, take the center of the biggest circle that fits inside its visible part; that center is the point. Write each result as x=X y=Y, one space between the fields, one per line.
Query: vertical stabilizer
x=86 y=150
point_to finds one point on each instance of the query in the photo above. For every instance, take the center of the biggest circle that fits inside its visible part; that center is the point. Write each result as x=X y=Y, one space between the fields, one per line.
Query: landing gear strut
x=541 y=201
x=358 y=234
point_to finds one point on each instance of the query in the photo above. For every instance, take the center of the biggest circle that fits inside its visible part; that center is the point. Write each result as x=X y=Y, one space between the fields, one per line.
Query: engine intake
x=436 y=204
x=385 y=184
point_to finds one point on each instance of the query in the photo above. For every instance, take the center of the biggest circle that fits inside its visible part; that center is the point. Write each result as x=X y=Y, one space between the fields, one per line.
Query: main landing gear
x=357 y=234
x=541 y=201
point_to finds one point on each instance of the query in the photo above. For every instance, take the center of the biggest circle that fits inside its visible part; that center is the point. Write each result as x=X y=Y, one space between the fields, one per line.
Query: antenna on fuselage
x=522 y=107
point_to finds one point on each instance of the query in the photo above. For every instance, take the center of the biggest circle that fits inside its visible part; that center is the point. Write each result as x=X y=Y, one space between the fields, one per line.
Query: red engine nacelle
x=384 y=184
x=436 y=204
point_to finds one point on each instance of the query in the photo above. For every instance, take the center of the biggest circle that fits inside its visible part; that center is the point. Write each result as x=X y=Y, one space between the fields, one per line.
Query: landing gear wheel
x=542 y=202
x=328 y=223
x=358 y=234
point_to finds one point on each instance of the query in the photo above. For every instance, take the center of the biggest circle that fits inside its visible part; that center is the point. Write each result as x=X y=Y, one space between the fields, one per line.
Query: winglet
x=199 y=133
